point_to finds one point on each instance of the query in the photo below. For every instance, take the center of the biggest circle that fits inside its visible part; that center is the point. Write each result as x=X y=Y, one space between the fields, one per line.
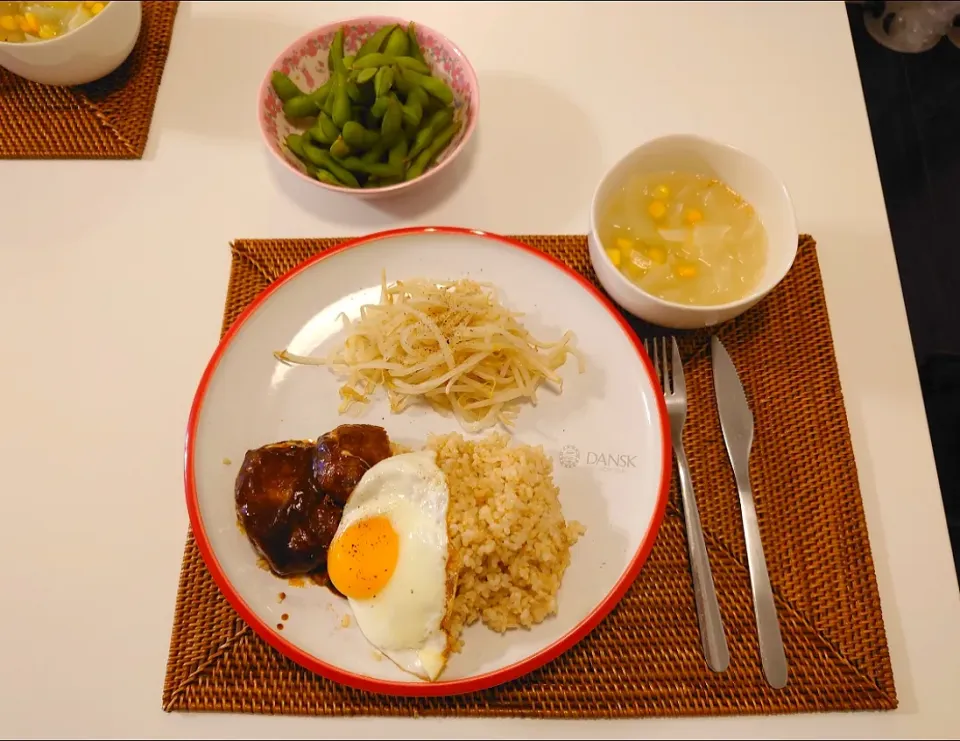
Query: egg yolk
x=364 y=557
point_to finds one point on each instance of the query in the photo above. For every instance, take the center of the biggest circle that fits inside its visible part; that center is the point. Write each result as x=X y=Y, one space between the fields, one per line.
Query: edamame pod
x=341 y=103
x=353 y=91
x=295 y=144
x=335 y=53
x=392 y=119
x=397 y=43
x=433 y=85
x=415 y=108
x=322 y=158
x=412 y=114
x=382 y=60
x=418 y=95
x=324 y=131
x=359 y=138
x=400 y=81
x=443 y=139
x=300 y=107
x=375 y=41
x=398 y=154
x=441 y=119
x=327 y=106
x=340 y=149
x=320 y=95
x=421 y=141
x=321 y=137
x=330 y=129
x=375 y=169
x=430 y=153
x=383 y=81
x=375 y=60
x=412 y=64
x=354 y=164
x=436 y=123
x=379 y=106
x=376 y=154
x=314 y=155
x=384 y=169
x=284 y=87
x=325 y=176
x=365 y=75
x=415 y=51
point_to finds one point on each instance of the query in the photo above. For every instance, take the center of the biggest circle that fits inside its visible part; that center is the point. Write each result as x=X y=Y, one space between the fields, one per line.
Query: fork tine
x=679 y=385
x=655 y=354
x=662 y=371
x=667 y=370
x=651 y=349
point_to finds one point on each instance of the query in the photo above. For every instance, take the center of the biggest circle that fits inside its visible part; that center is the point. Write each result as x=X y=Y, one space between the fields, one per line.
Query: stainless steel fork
x=670 y=373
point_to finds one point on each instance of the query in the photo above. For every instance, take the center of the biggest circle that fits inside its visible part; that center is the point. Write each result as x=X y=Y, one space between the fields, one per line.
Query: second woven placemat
x=644 y=659
x=106 y=119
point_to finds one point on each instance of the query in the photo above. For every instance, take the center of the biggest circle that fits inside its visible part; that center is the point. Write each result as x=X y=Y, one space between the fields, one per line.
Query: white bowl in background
x=747 y=176
x=83 y=55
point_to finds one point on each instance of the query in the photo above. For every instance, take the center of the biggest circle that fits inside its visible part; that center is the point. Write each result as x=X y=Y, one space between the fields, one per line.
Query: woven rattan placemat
x=106 y=119
x=645 y=658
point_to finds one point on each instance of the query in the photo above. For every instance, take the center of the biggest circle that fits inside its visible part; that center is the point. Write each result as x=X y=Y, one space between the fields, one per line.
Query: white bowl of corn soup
x=67 y=43
x=686 y=232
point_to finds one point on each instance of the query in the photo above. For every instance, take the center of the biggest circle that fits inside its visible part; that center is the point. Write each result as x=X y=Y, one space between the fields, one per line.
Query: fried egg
x=390 y=556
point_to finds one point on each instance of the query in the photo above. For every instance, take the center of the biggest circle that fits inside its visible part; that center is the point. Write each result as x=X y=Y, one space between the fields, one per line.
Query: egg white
x=405 y=620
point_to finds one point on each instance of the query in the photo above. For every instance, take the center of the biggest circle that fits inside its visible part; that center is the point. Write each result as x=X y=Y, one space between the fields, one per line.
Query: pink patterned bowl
x=305 y=61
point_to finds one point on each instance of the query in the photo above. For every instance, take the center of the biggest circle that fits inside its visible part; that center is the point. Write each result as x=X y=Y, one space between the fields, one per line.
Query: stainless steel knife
x=736 y=421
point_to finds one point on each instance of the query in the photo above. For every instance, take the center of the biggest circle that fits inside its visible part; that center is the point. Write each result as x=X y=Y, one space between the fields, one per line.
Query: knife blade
x=736 y=419
x=736 y=422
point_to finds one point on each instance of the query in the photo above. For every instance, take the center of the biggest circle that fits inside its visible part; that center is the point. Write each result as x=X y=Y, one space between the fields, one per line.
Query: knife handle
x=712 y=638
x=772 y=655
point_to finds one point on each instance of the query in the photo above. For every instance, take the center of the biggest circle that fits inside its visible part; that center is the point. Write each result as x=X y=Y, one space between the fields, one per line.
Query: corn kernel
x=8 y=23
x=614 y=255
x=47 y=32
x=657 y=209
x=97 y=7
x=662 y=191
x=624 y=244
x=657 y=255
x=686 y=271
x=693 y=216
x=30 y=23
x=89 y=3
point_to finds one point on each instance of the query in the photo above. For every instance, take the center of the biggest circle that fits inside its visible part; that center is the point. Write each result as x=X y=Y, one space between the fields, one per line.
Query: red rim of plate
x=421 y=689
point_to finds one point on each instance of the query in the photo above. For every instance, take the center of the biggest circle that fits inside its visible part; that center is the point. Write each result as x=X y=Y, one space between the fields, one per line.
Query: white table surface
x=101 y=358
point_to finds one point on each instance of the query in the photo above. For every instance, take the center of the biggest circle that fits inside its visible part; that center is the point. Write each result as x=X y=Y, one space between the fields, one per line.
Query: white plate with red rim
x=607 y=434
